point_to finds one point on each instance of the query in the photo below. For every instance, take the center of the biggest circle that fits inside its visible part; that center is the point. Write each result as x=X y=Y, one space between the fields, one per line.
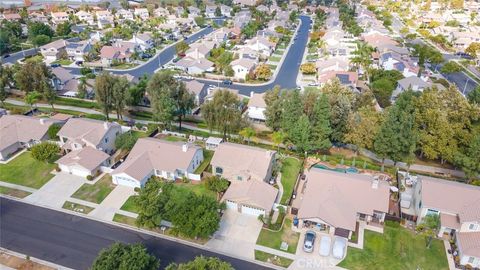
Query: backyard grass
x=77 y=102
x=139 y=134
x=273 y=239
x=63 y=62
x=24 y=170
x=174 y=139
x=124 y=219
x=274 y=59
x=207 y=157
x=290 y=169
x=130 y=205
x=77 y=207
x=14 y=192
x=197 y=188
x=273 y=259
x=140 y=115
x=396 y=248
x=97 y=192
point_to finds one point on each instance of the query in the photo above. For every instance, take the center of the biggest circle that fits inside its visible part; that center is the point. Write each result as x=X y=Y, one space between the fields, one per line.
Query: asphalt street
x=74 y=241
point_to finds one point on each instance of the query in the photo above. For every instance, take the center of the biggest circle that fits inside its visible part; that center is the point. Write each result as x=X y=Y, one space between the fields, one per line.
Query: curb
x=143 y=231
x=33 y=259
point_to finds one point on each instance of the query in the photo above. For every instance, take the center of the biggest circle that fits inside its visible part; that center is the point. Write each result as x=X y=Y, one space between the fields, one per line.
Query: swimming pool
x=342 y=170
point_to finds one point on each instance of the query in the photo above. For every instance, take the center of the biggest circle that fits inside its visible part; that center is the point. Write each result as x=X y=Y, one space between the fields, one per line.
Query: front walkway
x=19 y=187
x=56 y=191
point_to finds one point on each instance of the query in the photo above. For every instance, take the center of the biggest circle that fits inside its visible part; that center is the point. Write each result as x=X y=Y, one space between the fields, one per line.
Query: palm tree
x=278 y=137
x=429 y=227
x=247 y=133
x=363 y=57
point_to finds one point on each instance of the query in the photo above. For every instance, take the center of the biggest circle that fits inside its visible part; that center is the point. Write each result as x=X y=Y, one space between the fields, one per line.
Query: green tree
x=274 y=110
x=181 y=47
x=82 y=88
x=469 y=158
x=32 y=98
x=184 y=101
x=473 y=49
x=363 y=127
x=292 y=108
x=120 y=95
x=451 y=67
x=45 y=151
x=429 y=227
x=200 y=21
x=474 y=96
x=383 y=89
x=121 y=256
x=38 y=28
x=363 y=57
x=216 y=184
x=49 y=94
x=160 y=89
x=320 y=122
x=104 y=88
x=32 y=76
x=203 y=263
x=53 y=130
x=64 y=29
x=278 y=137
x=223 y=112
x=247 y=133
x=301 y=135
x=125 y=141
x=341 y=102
x=263 y=72
x=41 y=40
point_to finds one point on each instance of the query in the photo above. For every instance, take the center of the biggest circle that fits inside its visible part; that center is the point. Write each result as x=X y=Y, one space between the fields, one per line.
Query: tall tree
x=363 y=127
x=341 y=102
x=429 y=227
x=301 y=134
x=292 y=108
x=125 y=256
x=363 y=57
x=120 y=95
x=273 y=113
x=247 y=133
x=32 y=98
x=320 y=121
x=184 y=101
x=163 y=107
x=469 y=158
x=278 y=137
x=104 y=84
x=223 y=112
x=49 y=94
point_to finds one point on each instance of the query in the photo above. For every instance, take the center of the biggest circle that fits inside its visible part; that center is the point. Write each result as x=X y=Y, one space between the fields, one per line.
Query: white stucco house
x=153 y=157
x=242 y=67
x=256 y=107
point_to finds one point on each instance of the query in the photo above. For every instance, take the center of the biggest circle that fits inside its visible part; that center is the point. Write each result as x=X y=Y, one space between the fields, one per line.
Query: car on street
x=309 y=241
x=227 y=82
x=6 y=56
x=325 y=245
x=339 y=248
x=54 y=65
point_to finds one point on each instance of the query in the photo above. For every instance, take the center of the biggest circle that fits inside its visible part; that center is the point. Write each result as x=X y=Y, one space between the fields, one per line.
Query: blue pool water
x=347 y=170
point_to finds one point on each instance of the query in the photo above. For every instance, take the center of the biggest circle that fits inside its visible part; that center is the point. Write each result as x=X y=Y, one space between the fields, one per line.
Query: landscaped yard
x=97 y=192
x=273 y=239
x=270 y=258
x=14 y=192
x=207 y=157
x=130 y=205
x=124 y=66
x=124 y=219
x=290 y=169
x=174 y=139
x=63 y=62
x=396 y=248
x=77 y=207
x=24 y=170
x=76 y=102
x=274 y=58
x=197 y=188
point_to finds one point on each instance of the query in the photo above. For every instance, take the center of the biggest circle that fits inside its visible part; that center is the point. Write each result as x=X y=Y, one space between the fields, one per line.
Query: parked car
x=6 y=56
x=325 y=245
x=227 y=82
x=54 y=65
x=339 y=247
x=309 y=241
x=146 y=56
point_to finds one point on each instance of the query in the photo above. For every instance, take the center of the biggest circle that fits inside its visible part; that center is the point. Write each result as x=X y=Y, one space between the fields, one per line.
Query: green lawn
x=124 y=66
x=174 y=139
x=97 y=192
x=273 y=259
x=130 y=205
x=24 y=170
x=124 y=219
x=77 y=207
x=77 y=103
x=63 y=62
x=207 y=157
x=274 y=58
x=272 y=67
x=141 y=115
x=290 y=170
x=139 y=134
x=197 y=188
x=14 y=192
x=273 y=240
x=396 y=248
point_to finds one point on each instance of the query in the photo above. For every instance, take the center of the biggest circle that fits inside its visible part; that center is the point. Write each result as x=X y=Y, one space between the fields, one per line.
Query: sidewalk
x=15 y=186
x=275 y=252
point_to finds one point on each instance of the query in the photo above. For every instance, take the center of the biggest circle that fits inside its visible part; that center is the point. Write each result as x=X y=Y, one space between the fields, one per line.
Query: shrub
x=53 y=130
x=57 y=168
x=45 y=151
x=89 y=177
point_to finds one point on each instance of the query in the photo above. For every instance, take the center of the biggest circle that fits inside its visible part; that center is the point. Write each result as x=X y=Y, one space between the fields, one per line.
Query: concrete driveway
x=57 y=190
x=313 y=260
x=112 y=203
x=237 y=234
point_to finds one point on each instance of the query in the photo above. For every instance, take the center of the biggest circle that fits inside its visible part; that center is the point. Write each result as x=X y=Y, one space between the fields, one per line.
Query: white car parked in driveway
x=325 y=245
x=339 y=248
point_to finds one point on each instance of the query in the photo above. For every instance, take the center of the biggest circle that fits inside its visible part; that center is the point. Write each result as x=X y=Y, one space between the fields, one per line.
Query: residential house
x=143 y=41
x=273 y=24
x=77 y=50
x=18 y=132
x=394 y=61
x=161 y=12
x=210 y=11
x=242 y=67
x=84 y=162
x=54 y=50
x=104 y=24
x=226 y=10
x=242 y=18
x=332 y=64
x=458 y=213
x=413 y=82
x=249 y=3
x=198 y=51
x=212 y=143
x=263 y=8
x=256 y=107
x=111 y=55
x=38 y=17
x=247 y=168
x=194 y=12
x=10 y=16
x=195 y=66
x=153 y=157
x=346 y=78
x=104 y=15
x=198 y=90
x=335 y=202
x=376 y=40
x=59 y=17
x=78 y=133
x=262 y=45
x=141 y=13
x=179 y=11
x=245 y=52
x=86 y=17
x=124 y=15
x=63 y=80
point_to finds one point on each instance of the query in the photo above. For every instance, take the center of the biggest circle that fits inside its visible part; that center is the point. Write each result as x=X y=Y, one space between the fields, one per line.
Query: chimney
x=105 y=125
x=375 y=183
x=185 y=147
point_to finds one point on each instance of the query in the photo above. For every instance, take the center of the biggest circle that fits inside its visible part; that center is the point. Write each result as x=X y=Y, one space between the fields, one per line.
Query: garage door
x=79 y=172
x=232 y=205
x=252 y=211
x=126 y=182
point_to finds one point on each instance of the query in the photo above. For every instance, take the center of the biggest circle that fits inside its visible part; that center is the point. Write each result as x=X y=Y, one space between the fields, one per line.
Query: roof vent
x=105 y=125
x=185 y=147
x=375 y=183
